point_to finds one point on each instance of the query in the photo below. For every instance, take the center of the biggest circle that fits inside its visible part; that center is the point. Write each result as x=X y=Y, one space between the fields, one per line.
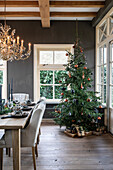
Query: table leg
x=16 y=149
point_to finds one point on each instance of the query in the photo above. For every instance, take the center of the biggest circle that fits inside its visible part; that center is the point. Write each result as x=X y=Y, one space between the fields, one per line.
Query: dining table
x=15 y=125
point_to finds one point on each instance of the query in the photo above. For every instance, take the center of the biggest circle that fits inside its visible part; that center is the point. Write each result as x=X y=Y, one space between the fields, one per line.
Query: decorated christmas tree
x=78 y=102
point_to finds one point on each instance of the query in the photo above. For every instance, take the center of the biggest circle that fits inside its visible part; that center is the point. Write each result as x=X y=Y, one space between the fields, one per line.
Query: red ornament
x=81 y=50
x=100 y=106
x=66 y=54
x=81 y=86
x=62 y=94
x=69 y=74
x=85 y=68
x=66 y=100
x=88 y=100
x=60 y=81
x=99 y=118
x=76 y=66
x=81 y=113
x=73 y=46
x=83 y=76
x=73 y=121
x=89 y=79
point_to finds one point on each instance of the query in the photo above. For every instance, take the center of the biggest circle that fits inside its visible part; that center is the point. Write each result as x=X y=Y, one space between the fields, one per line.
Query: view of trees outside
x=50 y=83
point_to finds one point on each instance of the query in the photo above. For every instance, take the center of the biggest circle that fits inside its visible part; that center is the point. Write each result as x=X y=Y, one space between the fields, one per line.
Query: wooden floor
x=60 y=152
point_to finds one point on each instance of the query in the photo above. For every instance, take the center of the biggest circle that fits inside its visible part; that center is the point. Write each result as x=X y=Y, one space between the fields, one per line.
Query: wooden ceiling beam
x=44 y=13
x=20 y=4
x=87 y=4
x=73 y=14
x=52 y=14
x=81 y=4
x=20 y=14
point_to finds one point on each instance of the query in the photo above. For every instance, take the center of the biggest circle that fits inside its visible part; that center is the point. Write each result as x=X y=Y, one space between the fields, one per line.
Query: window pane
x=111 y=25
x=104 y=94
x=59 y=76
x=1 y=77
x=102 y=54
x=111 y=73
x=104 y=74
x=46 y=91
x=46 y=57
x=58 y=91
x=101 y=78
x=111 y=52
x=60 y=57
x=46 y=77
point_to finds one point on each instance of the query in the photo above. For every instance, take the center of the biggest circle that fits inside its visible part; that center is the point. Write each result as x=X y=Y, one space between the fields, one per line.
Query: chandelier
x=11 y=48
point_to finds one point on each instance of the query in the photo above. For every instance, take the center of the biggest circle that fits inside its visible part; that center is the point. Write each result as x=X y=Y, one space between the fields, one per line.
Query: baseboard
x=48 y=121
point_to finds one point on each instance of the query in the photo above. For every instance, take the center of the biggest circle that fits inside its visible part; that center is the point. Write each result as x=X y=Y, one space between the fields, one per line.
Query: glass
x=103 y=32
x=1 y=77
x=111 y=52
x=101 y=75
x=111 y=24
x=111 y=97
x=60 y=57
x=46 y=91
x=104 y=94
x=58 y=90
x=46 y=77
x=105 y=72
x=46 y=57
x=59 y=76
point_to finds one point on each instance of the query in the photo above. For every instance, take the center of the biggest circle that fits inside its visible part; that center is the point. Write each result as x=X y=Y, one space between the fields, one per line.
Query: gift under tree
x=78 y=102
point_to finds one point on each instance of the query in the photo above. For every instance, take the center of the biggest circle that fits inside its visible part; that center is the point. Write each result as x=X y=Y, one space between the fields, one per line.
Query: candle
x=29 y=46
x=8 y=48
x=22 y=41
x=0 y=92
x=13 y=42
x=12 y=89
x=18 y=40
x=8 y=39
x=9 y=92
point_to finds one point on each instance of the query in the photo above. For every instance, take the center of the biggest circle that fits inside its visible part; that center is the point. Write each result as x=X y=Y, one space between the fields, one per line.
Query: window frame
x=106 y=41
x=38 y=67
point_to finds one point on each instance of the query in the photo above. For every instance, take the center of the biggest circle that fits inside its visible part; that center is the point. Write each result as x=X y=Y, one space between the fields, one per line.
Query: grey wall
x=60 y=32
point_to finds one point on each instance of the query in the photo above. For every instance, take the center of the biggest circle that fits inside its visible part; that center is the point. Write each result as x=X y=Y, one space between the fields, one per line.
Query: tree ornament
x=85 y=68
x=81 y=86
x=100 y=106
x=60 y=81
x=67 y=54
x=72 y=91
x=73 y=121
x=62 y=94
x=89 y=79
x=99 y=118
x=83 y=76
x=76 y=66
x=81 y=50
x=88 y=100
x=69 y=113
x=69 y=75
x=81 y=113
x=66 y=100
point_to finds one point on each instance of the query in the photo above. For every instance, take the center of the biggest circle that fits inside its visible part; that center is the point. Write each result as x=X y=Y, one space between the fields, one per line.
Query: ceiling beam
x=52 y=14
x=20 y=14
x=20 y=4
x=44 y=13
x=81 y=4
x=73 y=14
x=93 y=4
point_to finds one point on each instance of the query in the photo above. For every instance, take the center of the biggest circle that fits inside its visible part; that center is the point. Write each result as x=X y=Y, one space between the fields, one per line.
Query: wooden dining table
x=15 y=125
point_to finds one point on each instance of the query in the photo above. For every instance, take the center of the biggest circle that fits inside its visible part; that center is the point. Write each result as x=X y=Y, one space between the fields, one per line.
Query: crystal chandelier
x=11 y=48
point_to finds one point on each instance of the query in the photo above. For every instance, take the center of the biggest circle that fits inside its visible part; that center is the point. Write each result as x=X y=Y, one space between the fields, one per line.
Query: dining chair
x=28 y=135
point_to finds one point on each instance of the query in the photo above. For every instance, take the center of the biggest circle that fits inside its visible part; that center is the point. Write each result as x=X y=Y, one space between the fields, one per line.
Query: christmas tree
x=78 y=103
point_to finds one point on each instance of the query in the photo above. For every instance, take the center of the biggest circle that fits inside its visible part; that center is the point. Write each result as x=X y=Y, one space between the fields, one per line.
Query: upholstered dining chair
x=28 y=135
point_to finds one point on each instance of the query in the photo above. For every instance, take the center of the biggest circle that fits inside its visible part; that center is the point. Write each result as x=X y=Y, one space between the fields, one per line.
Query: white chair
x=28 y=135
x=20 y=97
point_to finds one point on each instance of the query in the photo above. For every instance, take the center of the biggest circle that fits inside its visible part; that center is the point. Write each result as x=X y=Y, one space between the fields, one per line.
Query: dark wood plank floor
x=60 y=152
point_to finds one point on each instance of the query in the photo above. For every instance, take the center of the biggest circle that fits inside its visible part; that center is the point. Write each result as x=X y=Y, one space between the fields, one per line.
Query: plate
x=15 y=116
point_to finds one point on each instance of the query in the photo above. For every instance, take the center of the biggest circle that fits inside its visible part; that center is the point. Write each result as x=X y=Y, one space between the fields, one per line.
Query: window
x=49 y=65
x=3 y=78
x=111 y=74
x=51 y=69
x=104 y=59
